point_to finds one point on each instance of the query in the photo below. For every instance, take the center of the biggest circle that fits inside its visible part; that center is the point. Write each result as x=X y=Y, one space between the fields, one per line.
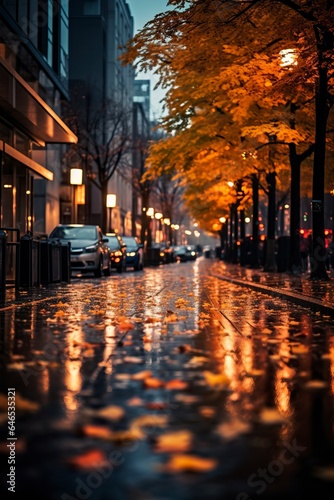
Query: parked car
x=117 y=252
x=180 y=253
x=134 y=253
x=191 y=252
x=89 y=250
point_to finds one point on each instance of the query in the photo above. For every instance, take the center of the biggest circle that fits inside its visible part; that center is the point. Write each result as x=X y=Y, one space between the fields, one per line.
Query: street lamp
x=75 y=181
x=158 y=233
x=110 y=204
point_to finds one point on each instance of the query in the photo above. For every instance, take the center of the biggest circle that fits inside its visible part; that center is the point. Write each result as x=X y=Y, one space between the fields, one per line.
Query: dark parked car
x=89 y=251
x=134 y=253
x=117 y=250
x=180 y=253
x=191 y=252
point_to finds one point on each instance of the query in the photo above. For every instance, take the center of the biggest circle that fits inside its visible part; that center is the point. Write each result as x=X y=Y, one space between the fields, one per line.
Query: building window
x=92 y=7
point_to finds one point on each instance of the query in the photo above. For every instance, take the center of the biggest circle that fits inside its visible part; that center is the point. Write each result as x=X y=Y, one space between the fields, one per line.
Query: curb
x=313 y=304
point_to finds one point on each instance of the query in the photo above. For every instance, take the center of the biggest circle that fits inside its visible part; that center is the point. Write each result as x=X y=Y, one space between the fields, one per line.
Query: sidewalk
x=316 y=295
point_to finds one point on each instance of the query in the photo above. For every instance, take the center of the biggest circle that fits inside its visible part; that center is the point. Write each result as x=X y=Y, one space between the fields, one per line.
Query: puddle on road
x=177 y=385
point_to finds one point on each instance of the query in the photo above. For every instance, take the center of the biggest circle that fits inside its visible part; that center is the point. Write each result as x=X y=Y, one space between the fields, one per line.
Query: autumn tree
x=220 y=62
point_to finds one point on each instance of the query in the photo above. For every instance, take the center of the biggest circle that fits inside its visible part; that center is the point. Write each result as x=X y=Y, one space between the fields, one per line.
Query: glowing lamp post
x=75 y=181
x=110 y=204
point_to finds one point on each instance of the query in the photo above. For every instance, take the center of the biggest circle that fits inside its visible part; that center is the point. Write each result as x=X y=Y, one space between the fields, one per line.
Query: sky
x=142 y=12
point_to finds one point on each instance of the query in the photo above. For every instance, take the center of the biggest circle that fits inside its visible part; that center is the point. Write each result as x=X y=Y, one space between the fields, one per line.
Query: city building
x=97 y=81
x=33 y=136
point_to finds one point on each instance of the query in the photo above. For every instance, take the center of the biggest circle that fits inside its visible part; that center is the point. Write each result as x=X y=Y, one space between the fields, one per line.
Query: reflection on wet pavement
x=167 y=384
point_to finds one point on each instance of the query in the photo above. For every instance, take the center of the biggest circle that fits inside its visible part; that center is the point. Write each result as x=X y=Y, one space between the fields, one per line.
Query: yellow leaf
x=171 y=442
x=189 y=463
x=219 y=380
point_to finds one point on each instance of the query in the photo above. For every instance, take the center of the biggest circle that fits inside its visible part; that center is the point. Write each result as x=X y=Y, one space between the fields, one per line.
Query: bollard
x=25 y=278
x=45 y=277
x=55 y=261
x=66 y=262
x=3 y=264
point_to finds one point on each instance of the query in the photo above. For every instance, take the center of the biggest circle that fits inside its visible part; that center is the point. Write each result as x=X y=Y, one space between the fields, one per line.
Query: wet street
x=166 y=384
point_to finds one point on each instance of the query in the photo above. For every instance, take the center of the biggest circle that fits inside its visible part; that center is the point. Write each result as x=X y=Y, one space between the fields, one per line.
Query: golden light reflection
x=331 y=360
x=73 y=378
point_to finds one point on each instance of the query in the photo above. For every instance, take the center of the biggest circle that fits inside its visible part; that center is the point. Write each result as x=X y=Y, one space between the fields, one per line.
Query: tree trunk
x=294 y=257
x=318 y=254
x=255 y=223
x=270 y=263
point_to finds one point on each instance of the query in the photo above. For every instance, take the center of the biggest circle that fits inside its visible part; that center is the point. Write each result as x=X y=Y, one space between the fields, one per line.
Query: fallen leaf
x=271 y=416
x=176 y=384
x=207 y=411
x=88 y=460
x=216 y=380
x=233 y=429
x=142 y=375
x=139 y=424
x=112 y=412
x=96 y=431
x=133 y=359
x=153 y=383
x=189 y=463
x=172 y=442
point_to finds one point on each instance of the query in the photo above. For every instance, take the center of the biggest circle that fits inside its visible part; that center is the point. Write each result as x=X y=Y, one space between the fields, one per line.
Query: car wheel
x=120 y=268
x=99 y=270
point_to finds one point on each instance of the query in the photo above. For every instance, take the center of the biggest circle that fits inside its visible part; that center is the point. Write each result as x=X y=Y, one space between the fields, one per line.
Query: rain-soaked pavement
x=166 y=384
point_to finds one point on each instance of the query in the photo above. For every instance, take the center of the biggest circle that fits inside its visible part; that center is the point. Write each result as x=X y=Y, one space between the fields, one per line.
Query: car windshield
x=74 y=233
x=130 y=242
x=113 y=242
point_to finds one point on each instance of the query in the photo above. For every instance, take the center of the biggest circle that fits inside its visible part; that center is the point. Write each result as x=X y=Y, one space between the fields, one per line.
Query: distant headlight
x=92 y=248
x=118 y=253
x=193 y=253
x=131 y=254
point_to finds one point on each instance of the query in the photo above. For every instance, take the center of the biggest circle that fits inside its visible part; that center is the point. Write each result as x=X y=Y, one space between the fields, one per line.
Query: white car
x=89 y=250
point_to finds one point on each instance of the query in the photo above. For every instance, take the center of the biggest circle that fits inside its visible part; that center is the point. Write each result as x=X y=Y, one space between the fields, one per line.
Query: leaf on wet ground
x=207 y=411
x=197 y=361
x=266 y=331
x=186 y=398
x=232 y=430
x=135 y=401
x=96 y=432
x=189 y=463
x=88 y=460
x=143 y=422
x=315 y=384
x=153 y=383
x=124 y=324
x=142 y=375
x=113 y=413
x=151 y=319
x=170 y=317
x=216 y=380
x=172 y=442
x=181 y=303
x=300 y=349
x=133 y=359
x=271 y=416
x=176 y=384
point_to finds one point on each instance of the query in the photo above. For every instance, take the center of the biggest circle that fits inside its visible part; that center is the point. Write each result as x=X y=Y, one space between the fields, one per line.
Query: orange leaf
x=153 y=383
x=96 y=431
x=176 y=384
x=189 y=463
x=88 y=460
